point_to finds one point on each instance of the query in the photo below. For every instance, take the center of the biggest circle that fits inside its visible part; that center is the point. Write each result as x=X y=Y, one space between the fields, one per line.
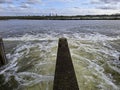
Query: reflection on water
x=32 y=59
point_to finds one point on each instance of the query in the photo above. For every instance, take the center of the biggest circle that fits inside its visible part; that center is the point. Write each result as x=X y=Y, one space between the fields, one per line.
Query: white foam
x=100 y=70
x=28 y=37
x=55 y=36
x=35 y=78
x=95 y=37
x=24 y=49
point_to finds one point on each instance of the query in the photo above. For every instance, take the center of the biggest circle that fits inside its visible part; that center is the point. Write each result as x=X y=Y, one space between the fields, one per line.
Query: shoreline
x=87 y=17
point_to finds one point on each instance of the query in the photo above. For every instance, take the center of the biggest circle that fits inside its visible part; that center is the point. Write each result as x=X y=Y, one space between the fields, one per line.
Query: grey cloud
x=11 y=6
x=105 y=1
x=33 y=1
x=77 y=7
x=110 y=1
x=95 y=2
x=6 y=1
x=107 y=7
x=25 y=6
x=106 y=4
x=66 y=1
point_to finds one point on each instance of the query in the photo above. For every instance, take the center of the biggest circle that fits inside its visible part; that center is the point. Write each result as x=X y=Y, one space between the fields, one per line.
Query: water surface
x=31 y=48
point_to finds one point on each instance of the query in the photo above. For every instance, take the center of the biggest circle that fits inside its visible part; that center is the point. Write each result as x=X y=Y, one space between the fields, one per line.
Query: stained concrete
x=3 y=59
x=65 y=78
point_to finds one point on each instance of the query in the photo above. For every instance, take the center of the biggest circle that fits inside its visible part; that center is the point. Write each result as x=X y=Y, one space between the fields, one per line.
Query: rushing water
x=31 y=48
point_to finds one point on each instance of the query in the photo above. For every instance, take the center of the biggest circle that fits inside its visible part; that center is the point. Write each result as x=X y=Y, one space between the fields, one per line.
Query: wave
x=32 y=62
x=55 y=36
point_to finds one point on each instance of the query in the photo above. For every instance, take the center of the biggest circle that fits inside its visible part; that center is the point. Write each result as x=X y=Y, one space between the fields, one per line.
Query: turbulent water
x=31 y=49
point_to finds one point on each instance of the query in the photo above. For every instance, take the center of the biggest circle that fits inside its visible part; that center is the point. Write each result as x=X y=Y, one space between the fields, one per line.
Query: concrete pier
x=3 y=59
x=65 y=78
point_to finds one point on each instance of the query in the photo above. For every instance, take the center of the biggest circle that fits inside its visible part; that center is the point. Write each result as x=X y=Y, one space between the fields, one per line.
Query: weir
x=3 y=59
x=65 y=78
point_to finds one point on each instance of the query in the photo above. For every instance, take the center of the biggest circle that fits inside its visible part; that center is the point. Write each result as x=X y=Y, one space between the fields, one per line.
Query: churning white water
x=95 y=52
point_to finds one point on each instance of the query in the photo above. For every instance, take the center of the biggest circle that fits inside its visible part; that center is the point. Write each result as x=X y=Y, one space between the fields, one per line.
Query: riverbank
x=78 y=17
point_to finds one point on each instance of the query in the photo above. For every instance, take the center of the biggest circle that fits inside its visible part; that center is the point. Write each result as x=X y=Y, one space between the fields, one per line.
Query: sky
x=59 y=7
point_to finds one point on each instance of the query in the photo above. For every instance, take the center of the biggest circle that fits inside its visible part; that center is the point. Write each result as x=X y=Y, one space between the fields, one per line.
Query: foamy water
x=32 y=59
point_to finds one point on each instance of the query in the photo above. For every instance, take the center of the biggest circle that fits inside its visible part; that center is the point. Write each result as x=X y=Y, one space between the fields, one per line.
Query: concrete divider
x=3 y=59
x=65 y=78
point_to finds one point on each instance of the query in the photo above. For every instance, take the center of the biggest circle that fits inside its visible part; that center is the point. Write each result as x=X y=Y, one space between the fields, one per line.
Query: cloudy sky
x=61 y=7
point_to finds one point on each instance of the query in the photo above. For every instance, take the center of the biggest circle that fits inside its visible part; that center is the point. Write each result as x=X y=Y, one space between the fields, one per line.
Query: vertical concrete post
x=65 y=78
x=3 y=59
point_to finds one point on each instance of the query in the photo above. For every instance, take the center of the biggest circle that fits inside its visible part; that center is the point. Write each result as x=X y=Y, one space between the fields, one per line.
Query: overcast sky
x=61 y=7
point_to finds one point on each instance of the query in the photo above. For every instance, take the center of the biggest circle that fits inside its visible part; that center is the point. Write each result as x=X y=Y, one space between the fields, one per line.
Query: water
x=31 y=48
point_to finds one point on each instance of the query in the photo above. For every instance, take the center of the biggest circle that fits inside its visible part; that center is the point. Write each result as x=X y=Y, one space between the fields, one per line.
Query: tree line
x=77 y=17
